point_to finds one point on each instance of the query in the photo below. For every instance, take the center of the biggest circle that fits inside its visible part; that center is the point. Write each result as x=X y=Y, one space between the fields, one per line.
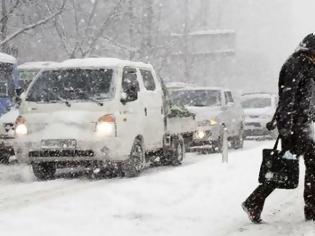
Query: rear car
x=26 y=73
x=259 y=109
x=216 y=112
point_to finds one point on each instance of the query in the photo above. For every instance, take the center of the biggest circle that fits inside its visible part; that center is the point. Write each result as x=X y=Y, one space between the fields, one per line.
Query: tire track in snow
x=31 y=198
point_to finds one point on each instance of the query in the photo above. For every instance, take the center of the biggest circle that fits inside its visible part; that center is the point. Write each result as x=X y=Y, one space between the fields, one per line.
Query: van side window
x=148 y=80
x=228 y=97
x=129 y=79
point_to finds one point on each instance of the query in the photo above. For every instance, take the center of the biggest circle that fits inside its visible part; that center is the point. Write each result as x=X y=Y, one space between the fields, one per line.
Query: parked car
x=26 y=73
x=259 y=109
x=9 y=89
x=215 y=111
x=99 y=113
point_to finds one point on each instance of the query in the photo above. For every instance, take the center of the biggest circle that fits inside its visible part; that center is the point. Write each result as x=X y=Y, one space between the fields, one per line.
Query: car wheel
x=4 y=158
x=176 y=154
x=44 y=171
x=238 y=141
x=218 y=145
x=179 y=153
x=136 y=162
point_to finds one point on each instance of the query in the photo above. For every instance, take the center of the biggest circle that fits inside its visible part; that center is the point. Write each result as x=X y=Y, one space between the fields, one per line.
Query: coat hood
x=308 y=43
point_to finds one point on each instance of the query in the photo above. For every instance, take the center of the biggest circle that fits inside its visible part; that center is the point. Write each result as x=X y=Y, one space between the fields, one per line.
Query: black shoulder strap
x=277 y=143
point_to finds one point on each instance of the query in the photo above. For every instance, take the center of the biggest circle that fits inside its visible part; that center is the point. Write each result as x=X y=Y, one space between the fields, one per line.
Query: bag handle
x=277 y=143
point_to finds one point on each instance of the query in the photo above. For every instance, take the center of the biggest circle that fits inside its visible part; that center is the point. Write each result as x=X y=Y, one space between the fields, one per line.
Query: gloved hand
x=271 y=125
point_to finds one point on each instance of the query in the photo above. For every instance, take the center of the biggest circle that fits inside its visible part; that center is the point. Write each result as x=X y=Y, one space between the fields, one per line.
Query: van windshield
x=26 y=77
x=72 y=84
x=198 y=98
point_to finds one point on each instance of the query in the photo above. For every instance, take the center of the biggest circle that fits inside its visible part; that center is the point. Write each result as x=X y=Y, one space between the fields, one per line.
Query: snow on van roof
x=37 y=65
x=100 y=62
x=202 y=88
x=6 y=58
x=177 y=85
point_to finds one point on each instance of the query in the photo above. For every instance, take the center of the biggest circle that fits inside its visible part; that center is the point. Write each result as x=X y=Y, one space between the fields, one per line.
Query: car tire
x=44 y=171
x=176 y=154
x=238 y=141
x=136 y=162
x=4 y=158
x=218 y=145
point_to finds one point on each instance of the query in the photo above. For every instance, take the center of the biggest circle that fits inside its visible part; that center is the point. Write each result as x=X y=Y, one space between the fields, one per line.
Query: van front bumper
x=109 y=150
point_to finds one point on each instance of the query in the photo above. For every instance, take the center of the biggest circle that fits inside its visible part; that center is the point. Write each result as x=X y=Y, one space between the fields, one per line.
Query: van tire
x=44 y=171
x=136 y=162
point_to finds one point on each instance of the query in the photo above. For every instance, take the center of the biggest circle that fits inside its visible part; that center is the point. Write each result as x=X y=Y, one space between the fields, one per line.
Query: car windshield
x=72 y=84
x=26 y=77
x=7 y=80
x=256 y=102
x=201 y=98
x=3 y=89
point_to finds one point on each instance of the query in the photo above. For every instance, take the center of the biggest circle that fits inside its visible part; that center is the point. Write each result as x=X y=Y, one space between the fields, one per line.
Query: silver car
x=216 y=111
x=259 y=109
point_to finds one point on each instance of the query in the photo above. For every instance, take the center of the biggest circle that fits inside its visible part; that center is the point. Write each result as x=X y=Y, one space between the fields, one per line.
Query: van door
x=131 y=117
x=153 y=109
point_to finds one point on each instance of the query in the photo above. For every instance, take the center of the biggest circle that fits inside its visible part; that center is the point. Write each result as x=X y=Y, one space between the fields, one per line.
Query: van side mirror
x=130 y=95
x=19 y=91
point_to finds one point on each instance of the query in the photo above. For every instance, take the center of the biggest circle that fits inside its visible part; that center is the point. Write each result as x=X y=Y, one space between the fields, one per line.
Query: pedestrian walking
x=294 y=119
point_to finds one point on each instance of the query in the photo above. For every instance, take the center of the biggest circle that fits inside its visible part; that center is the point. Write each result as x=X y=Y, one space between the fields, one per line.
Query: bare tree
x=10 y=11
x=84 y=24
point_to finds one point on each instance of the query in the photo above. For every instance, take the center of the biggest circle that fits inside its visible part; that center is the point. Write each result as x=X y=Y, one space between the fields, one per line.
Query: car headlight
x=200 y=134
x=106 y=126
x=213 y=122
x=20 y=126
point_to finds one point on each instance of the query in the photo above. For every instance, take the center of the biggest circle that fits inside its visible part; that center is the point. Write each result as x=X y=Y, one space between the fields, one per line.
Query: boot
x=309 y=214
x=252 y=213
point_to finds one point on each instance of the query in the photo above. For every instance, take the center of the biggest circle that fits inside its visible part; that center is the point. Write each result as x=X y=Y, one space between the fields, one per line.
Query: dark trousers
x=257 y=199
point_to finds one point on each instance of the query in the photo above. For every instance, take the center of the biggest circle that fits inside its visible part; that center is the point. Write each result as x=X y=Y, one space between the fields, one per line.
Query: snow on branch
x=34 y=25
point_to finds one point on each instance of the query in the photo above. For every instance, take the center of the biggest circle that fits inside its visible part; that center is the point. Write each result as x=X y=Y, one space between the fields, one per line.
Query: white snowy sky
x=304 y=16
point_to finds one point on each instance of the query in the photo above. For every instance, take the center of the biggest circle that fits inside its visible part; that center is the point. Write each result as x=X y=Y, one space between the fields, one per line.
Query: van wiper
x=68 y=104
x=199 y=105
x=91 y=99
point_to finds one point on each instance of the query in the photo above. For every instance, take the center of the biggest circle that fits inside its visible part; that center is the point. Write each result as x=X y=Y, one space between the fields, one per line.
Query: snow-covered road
x=201 y=197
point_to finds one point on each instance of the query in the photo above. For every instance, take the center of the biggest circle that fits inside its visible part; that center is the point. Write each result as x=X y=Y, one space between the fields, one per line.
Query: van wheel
x=44 y=171
x=176 y=154
x=136 y=162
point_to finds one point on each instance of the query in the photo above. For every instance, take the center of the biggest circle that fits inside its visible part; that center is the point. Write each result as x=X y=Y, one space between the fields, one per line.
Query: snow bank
x=201 y=197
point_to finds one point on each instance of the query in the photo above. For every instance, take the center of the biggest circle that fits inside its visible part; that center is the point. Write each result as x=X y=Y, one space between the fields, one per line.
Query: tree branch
x=15 y=6
x=32 y=26
x=99 y=34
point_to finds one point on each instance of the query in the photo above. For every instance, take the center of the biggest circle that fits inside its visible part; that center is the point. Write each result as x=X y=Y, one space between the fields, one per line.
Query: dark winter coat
x=295 y=111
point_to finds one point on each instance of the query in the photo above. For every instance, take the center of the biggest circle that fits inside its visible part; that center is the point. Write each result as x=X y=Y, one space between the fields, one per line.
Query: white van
x=98 y=113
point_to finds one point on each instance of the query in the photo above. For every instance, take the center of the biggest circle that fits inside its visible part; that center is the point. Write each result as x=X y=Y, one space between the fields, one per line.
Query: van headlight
x=106 y=126
x=20 y=126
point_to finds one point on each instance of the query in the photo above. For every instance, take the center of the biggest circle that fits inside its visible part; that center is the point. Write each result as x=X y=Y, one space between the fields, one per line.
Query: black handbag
x=279 y=170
